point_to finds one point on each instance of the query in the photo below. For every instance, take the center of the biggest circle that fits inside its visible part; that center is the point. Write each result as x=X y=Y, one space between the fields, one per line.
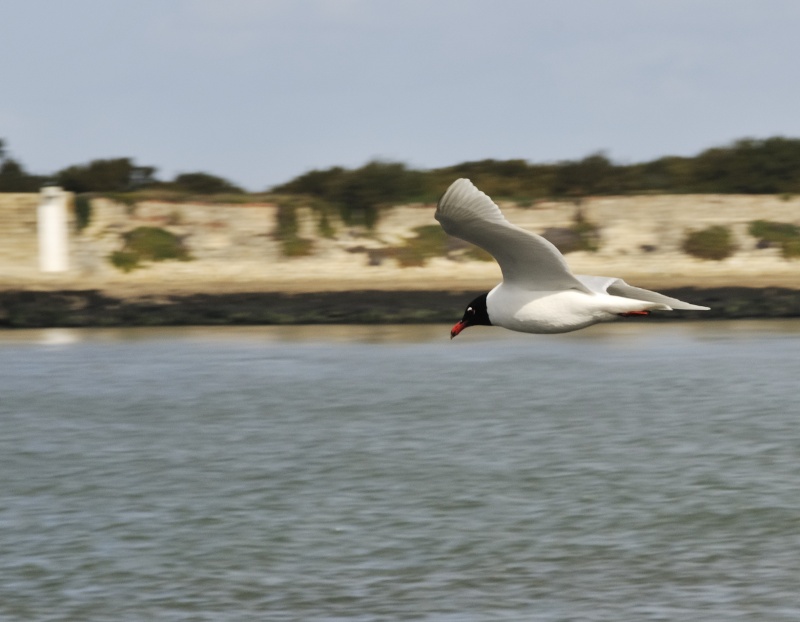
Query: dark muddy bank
x=39 y=309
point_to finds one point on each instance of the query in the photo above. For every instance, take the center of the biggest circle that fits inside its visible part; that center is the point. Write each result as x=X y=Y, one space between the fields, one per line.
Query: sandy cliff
x=235 y=248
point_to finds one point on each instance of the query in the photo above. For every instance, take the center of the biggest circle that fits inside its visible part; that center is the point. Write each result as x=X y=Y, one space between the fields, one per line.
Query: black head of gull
x=474 y=315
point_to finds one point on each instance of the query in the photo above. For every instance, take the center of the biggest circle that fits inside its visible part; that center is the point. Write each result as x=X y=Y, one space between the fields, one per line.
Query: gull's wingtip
x=455 y=193
x=460 y=184
x=464 y=204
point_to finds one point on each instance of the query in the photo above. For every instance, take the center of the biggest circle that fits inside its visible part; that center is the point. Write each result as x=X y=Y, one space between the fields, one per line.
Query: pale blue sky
x=260 y=91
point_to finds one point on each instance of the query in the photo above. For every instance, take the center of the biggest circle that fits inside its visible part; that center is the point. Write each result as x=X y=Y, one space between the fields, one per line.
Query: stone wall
x=18 y=237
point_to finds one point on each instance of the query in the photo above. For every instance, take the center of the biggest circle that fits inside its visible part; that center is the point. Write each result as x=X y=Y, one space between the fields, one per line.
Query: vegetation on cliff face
x=148 y=244
x=781 y=234
x=429 y=241
x=582 y=235
x=359 y=194
x=83 y=212
x=715 y=243
x=287 y=232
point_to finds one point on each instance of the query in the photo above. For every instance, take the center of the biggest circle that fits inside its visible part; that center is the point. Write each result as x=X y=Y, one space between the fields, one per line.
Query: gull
x=539 y=293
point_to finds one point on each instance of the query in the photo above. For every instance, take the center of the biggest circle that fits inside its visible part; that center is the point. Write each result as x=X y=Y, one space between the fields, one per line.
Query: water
x=627 y=472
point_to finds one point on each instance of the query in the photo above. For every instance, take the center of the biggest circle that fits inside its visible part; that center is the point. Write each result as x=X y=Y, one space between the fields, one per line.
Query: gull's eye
x=470 y=310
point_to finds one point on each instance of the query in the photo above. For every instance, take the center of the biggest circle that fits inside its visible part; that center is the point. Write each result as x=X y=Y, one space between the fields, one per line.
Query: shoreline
x=166 y=280
x=87 y=307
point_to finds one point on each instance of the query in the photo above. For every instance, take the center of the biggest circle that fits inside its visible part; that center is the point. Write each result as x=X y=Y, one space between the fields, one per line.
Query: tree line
x=113 y=175
x=746 y=166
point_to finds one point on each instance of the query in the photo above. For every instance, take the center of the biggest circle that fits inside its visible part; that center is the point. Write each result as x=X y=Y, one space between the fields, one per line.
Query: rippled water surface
x=634 y=471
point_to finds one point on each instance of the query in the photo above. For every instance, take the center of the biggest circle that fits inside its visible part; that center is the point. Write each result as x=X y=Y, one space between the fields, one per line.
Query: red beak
x=458 y=328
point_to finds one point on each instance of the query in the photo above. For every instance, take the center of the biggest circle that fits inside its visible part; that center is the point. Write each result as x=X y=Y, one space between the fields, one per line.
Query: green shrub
x=83 y=212
x=155 y=244
x=130 y=200
x=588 y=234
x=782 y=234
x=124 y=260
x=430 y=241
x=773 y=231
x=287 y=233
x=324 y=226
x=148 y=244
x=297 y=247
x=714 y=243
x=791 y=249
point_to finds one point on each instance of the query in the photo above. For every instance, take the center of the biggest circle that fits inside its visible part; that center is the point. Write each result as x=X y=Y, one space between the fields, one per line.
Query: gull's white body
x=557 y=311
x=539 y=293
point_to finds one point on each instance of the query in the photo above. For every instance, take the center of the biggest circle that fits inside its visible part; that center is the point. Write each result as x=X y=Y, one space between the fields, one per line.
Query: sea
x=628 y=472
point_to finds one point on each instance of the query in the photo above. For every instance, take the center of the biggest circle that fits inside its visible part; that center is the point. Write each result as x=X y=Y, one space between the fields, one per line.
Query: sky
x=261 y=91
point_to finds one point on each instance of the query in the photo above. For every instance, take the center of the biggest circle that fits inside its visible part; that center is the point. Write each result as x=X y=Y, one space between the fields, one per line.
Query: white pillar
x=53 y=230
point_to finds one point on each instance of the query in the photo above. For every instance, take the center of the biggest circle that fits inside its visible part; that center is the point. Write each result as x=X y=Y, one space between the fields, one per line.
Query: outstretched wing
x=618 y=287
x=526 y=259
